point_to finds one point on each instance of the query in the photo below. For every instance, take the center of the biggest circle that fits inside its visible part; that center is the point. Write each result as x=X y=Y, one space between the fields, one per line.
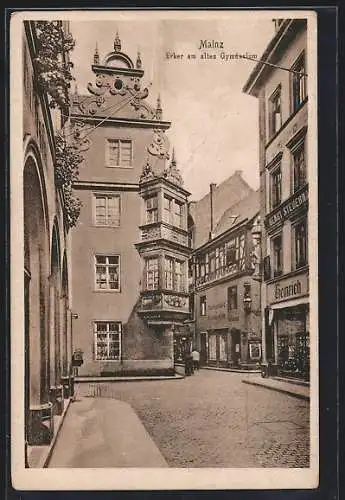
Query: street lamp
x=247 y=302
x=256 y=253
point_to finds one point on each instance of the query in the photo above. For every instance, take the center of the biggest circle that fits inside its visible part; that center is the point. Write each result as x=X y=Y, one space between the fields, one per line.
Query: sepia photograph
x=164 y=296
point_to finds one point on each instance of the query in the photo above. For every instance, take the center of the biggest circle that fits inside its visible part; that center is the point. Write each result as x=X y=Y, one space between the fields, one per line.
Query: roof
x=226 y=194
x=245 y=209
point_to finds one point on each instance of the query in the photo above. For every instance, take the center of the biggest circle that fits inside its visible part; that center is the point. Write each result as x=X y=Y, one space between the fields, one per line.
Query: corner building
x=130 y=247
x=283 y=123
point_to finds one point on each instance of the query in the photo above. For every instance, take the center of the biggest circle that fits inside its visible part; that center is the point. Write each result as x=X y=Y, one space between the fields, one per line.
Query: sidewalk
x=296 y=389
x=101 y=432
x=38 y=456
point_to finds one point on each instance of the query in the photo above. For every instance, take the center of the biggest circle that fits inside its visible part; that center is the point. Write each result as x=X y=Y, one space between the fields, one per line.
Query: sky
x=214 y=127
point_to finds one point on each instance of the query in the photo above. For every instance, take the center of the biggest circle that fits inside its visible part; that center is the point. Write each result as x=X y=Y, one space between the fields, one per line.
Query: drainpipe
x=213 y=185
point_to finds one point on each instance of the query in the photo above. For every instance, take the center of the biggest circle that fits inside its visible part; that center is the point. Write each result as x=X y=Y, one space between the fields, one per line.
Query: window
x=275 y=112
x=108 y=272
x=107 y=210
x=203 y=305
x=230 y=255
x=227 y=258
x=151 y=210
x=172 y=212
x=301 y=244
x=179 y=281
x=173 y=274
x=276 y=187
x=299 y=167
x=152 y=273
x=119 y=153
x=232 y=298
x=299 y=83
x=277 y=248
x=107 y=335
x=177 y=214
x=167 y=206
x=169 y=273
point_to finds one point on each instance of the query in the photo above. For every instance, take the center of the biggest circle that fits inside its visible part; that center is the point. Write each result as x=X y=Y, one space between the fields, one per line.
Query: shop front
x=183 y=340
x=288 y=329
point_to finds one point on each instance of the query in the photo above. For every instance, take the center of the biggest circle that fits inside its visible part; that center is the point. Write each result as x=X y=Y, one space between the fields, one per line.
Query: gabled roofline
x=286 y=32
x=240 y=224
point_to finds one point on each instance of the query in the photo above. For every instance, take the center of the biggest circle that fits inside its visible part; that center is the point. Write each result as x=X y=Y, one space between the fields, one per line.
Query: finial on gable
x=159 y=110
x=172 y=173
x=96 y=55
x=117 y=43
x=138 y=62
x=173 y=158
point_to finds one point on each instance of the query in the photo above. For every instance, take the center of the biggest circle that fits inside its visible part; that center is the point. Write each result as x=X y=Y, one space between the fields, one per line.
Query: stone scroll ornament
x=114 y=85
x=174 y=301
x=159 y=146
x=79 y=139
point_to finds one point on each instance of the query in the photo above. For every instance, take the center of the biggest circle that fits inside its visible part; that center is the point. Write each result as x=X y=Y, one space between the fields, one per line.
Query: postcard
x=164 y=300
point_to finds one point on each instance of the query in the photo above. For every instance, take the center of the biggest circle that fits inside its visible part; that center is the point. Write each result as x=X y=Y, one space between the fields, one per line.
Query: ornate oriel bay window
x=152 y=273
x=165 y=272
x=172 y=211
x=163 y=246
x=227 y=258
x=151 y=209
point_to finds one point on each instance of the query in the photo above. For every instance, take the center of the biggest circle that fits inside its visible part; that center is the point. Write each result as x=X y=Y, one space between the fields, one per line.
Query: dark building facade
x=47 y=318
x=283 y=117
x=130 y=247
x=226 y=326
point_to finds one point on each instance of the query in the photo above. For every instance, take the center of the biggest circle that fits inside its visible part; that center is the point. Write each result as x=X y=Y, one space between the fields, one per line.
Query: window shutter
x=267 y=268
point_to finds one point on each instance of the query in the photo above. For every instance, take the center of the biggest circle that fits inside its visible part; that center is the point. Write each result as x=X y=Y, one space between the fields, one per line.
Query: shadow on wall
x=145 y=350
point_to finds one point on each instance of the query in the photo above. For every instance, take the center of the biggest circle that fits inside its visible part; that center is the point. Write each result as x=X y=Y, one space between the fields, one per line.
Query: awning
x=290 y=303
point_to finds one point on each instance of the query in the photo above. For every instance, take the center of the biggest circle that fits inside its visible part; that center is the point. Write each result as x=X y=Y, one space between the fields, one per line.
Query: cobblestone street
x=212 y=419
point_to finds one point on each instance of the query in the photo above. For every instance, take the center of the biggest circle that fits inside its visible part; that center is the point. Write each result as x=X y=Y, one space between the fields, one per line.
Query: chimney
x=213 y=185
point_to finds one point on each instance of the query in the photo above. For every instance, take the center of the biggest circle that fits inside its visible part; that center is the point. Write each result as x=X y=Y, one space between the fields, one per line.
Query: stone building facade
x=283 y=117
x=47 y=317
x=129 y=250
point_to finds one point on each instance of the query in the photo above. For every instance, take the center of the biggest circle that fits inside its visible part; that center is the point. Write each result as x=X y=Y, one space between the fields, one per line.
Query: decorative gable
x=117 y=91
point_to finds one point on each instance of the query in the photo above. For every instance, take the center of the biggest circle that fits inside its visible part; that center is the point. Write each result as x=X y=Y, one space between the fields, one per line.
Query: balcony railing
x=162 y=231
x=161 y=300
x=220 y=273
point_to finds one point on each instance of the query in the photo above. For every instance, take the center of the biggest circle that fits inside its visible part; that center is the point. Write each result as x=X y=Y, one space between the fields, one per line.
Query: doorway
x=235 y=346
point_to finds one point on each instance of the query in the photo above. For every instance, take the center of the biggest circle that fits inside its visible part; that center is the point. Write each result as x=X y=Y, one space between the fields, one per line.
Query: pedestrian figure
x=196 y=359
x=188 y=364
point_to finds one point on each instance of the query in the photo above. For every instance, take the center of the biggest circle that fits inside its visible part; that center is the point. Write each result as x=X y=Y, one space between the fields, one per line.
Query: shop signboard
x=288 y=288
x=299 y=201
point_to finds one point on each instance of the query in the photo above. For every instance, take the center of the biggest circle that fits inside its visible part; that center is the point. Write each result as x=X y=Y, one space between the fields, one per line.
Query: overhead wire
x=260 y=61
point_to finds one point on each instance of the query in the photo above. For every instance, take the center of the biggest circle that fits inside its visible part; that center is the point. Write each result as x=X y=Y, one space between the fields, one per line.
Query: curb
x=232 y=370
x=126 y=379
x=52 y=444
x=278 y=389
